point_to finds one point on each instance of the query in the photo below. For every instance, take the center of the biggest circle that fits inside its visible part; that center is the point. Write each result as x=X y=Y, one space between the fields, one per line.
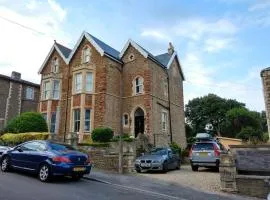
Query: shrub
x=14 y=139
x=27 y=122
x=175 y=148
x=102 y=135
x=95 y=144
x=126 y=137
x=185 y=153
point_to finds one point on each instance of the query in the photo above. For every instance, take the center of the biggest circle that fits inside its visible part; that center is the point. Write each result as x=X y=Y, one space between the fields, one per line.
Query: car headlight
x=137 y=161
x=157 y=161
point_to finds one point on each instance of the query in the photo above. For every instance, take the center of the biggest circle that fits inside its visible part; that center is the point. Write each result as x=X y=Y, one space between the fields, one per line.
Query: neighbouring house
x=16 y=96
x=94 y=85
x=265 y=75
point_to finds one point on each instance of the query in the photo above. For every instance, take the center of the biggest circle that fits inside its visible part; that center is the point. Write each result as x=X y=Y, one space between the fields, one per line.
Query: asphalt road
x=18 y=186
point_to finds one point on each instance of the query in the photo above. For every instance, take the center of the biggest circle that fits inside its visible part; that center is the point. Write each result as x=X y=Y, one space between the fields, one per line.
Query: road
x=18 y=186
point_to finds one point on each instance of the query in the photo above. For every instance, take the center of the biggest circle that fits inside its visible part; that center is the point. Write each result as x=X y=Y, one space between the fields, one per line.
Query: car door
x=170 y=159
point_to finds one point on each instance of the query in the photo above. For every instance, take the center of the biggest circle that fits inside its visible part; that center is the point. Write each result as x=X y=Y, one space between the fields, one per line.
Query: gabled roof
x=164 y=58
x=62 y=51
x=100 y=46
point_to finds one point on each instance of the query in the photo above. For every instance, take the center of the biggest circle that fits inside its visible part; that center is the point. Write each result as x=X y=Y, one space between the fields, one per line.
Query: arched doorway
x=139 y=121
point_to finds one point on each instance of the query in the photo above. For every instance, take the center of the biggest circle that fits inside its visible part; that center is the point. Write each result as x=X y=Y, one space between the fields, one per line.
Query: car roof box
x=203 y=136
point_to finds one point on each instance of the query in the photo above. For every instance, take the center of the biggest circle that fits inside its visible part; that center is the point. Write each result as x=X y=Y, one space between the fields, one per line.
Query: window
x=78 y=82
x=139 y=85
x=89 y=82
x=46 y=94
x=56 y=89
x=53 y=122
x=29 y=93
x=87 y=120
x=164 y=121
x=77 y=114
x=33 y=146
x=125 y=120
x=55 y=65
x=86 y=55
x=165 y=88
x=44 y=115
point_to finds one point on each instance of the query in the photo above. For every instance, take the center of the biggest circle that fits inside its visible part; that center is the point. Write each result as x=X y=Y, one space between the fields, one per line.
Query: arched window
x=125 y=120
x=86 y=54
x=55 y=65
x=138 y=85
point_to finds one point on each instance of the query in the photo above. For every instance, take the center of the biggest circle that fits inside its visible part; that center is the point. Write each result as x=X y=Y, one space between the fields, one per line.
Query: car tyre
x=138 y=170
x=5 y=164
x=44 y=173
x=165 y=167
x=194 y=168
x=77 y=177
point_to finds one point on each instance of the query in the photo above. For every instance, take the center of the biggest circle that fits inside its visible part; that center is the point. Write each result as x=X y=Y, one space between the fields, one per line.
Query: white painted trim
x=90 y=39
x=170 y=63
x=136 y=46
x=48 y=56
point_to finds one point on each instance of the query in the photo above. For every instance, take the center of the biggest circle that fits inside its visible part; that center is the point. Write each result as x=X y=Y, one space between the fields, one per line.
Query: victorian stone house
x=16 y=96
x=94 y=85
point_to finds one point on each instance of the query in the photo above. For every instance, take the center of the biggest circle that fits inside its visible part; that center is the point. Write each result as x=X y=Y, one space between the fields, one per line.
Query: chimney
x=16 y=75
x=170 y=49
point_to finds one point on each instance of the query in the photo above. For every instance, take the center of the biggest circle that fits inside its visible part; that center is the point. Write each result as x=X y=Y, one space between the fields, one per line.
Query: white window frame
x=86 y=54
x=55 y=65
x=139 y=85
x=89 y=83
x=46 y=91
x=76 y=84
x=56 y=90
x=76 y=120
x=87 y=120
x=164 y=121
x=31 y=97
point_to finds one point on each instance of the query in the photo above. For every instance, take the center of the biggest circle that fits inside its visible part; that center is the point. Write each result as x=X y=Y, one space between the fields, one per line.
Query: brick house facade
x=90 y=94
x=16 y=96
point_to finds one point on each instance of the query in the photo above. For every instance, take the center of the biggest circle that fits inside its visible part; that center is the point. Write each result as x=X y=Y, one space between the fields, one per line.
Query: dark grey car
x=159 y=159
x=3 y=149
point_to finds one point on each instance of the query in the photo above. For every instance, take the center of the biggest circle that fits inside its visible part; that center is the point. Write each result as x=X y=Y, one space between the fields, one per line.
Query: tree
x=209 y=109
x=27 y=122
x=250 y=134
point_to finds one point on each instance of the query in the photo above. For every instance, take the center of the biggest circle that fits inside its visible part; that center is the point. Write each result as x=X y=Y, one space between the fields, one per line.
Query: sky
x=222 y=44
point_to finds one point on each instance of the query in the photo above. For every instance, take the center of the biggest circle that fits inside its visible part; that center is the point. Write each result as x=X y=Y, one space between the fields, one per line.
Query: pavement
x=100 y=186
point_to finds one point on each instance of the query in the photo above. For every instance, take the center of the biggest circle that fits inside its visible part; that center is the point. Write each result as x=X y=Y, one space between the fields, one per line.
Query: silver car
x=159 y=159
x=206 y=154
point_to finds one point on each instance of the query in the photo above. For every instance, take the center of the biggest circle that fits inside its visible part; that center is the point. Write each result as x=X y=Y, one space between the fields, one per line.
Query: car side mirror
x=19 y=149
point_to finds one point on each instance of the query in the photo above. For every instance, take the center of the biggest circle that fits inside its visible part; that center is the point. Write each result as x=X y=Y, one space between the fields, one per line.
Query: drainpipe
x=66 y=104
x=169 y=100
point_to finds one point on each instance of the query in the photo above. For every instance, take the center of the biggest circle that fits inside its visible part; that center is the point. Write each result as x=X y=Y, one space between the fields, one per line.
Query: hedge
x=102 y=135
x=95 y=144
x=15 y=139
x=27 y=122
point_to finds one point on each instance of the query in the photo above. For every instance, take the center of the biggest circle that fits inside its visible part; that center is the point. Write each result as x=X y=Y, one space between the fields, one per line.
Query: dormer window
x=138 y=83
x=55 y=65
x=86 y=54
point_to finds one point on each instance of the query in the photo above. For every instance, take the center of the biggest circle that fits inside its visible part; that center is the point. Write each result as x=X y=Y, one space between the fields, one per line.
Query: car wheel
x=165 y=167
x=5 y=164
x=44 y=173
x=194 y=168
x=138 y=170
x=77 y=177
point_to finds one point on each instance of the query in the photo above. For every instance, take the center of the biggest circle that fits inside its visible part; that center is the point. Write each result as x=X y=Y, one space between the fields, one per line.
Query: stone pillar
x=227 y=172
x=265 y=75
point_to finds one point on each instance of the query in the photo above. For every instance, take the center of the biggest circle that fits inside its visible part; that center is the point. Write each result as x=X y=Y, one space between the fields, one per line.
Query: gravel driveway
x=204 y=179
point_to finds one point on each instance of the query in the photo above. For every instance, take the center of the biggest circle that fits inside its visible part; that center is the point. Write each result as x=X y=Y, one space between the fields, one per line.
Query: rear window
x=203 y=146
x=60 y=147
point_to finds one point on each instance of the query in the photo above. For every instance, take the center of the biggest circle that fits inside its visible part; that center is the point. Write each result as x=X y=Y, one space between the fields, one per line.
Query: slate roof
x=164 y=58
x=65 y=51
x=8 y=78
x=106 y=48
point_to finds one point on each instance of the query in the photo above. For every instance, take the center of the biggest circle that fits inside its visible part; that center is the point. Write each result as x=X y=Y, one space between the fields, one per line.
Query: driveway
x=204 y=179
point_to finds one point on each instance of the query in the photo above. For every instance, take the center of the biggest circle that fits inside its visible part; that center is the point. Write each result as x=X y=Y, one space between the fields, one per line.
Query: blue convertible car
x=47 y=159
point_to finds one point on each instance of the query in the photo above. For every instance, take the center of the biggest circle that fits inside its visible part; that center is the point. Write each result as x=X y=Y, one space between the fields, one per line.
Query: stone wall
x=265 y=75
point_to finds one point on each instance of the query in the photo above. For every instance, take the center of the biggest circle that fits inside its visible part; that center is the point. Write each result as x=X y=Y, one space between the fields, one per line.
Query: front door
x=139 y=125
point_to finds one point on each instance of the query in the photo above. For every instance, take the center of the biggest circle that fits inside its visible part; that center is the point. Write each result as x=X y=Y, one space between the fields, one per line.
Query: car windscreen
x=203 y=146
x=158 y=152
x=60 y=147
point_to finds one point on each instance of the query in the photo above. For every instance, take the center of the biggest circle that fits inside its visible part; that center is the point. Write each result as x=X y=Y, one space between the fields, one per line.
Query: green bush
x=27 y=122
x=95 y=144
x=102 y=135
x=15 y=139
x=185 y=153
x=175 y=148
x=126 y=137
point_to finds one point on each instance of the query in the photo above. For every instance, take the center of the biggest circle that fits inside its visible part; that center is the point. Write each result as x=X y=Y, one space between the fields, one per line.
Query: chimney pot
x=171 y=48
x=16 y=75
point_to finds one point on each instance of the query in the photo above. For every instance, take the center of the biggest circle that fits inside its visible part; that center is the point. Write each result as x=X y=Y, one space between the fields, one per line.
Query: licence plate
x=204 y=154
x=145 y=164
x=79 y=169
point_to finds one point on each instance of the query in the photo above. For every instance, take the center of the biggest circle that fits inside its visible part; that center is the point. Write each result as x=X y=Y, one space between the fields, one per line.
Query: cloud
x=260 y=5
x=57 y=9
x=26 y=38
x=155 y=34
x=212 y=45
